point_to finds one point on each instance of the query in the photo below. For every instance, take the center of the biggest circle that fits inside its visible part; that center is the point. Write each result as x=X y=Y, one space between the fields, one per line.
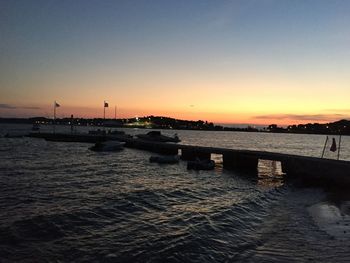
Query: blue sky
x=234 y=60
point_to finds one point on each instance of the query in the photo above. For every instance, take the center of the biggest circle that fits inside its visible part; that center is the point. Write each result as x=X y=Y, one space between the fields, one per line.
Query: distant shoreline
x=164 y=123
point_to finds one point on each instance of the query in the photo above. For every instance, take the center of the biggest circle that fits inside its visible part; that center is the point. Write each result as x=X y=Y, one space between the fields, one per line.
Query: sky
x=249 y=61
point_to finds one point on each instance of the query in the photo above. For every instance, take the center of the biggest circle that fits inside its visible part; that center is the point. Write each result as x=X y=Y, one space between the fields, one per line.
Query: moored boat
x=111 y=134
x=36 y=127
x=107 y=146
x=97 y=132
x=201 y=165
x=158 y=137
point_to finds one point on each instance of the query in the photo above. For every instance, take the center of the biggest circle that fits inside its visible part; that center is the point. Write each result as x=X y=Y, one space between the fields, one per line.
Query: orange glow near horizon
x=191 y=112
x=257 y=100
x=251 y=99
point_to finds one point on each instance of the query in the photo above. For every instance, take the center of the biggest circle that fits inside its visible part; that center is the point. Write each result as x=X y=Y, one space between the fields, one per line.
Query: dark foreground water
x=61 y=202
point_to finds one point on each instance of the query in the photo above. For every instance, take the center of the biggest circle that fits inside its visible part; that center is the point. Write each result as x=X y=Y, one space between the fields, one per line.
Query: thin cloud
x=7 y=106
x=304 y=117
x=338 y=110
x=30 y=108
x=13 y=107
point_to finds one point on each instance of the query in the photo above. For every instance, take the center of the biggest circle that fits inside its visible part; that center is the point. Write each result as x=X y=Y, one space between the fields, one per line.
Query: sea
x=61 y=202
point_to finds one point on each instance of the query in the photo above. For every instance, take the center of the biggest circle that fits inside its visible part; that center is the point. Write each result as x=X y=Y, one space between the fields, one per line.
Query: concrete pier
x=312 y=169
x=316 y=170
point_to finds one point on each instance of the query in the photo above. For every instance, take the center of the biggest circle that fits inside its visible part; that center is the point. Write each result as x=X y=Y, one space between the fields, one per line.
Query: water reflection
x=120 y=208
x=270 y=174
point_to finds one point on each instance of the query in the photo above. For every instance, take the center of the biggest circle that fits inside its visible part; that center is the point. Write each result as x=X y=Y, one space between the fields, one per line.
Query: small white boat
x=201 y=165
x=107 y=146
x=165 y=159
x=118 y=135
x=156 y=136
x=111 y=134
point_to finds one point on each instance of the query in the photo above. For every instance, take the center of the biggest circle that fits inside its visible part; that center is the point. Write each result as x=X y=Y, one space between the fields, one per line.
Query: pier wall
x=239 y=161
x=317 y=171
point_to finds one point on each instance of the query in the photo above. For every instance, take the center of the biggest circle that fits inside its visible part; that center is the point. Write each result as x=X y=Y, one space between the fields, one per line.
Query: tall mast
x=54 y=117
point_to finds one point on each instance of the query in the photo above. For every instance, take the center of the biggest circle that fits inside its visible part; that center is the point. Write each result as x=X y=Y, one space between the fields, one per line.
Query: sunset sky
x=249 y=61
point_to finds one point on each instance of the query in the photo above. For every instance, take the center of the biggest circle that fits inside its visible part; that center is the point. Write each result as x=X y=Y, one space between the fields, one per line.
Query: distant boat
x=15 y=135
x=171 y=159
x=115 y=134
x=201 y=165
x=111 y=134
x=107 y=146
x=97 y=132
x=36 y=127
x=158 y=137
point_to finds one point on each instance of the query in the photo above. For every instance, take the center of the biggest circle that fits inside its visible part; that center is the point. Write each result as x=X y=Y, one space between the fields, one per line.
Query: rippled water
x=62 y=202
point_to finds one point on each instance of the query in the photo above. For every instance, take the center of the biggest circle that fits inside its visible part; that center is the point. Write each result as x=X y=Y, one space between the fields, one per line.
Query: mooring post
x=240 y=161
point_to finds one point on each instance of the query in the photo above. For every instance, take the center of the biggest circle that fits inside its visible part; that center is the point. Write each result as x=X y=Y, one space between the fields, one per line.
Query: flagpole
x=325 y=144
x=54 y=117
x=115 y=112
x=339 y=146
x=104 y=112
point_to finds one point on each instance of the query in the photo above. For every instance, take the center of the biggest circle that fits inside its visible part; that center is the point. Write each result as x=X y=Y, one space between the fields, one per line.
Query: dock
x=311 y=169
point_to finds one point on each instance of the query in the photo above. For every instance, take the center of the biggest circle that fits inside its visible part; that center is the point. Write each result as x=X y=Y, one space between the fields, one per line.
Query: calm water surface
x=61 y=202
